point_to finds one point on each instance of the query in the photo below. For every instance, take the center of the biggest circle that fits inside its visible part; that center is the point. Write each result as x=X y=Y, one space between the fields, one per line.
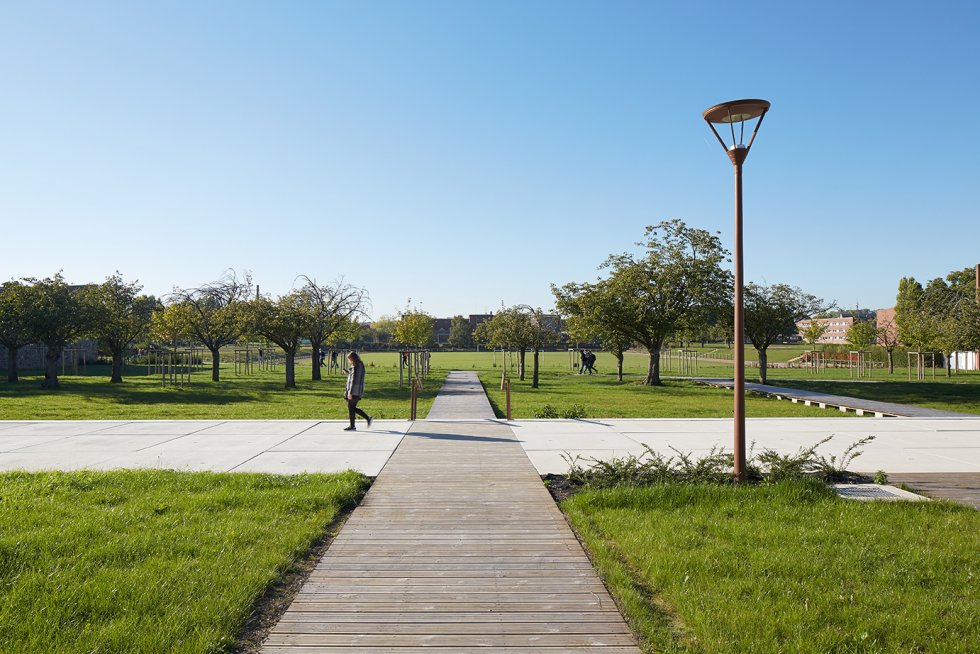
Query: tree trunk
x=316 y=361
x=51 y=369
x=891 y=363
x=653 y=369
x=291 y=368
x=763 y=360
x=215 y=363
x=12 y=363
x=619 y=365
x=520 y=363
x=534 y=373
x=117 y=360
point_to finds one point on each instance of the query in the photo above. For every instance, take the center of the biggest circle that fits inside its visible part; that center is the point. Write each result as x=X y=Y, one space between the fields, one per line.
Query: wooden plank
x=457 y=546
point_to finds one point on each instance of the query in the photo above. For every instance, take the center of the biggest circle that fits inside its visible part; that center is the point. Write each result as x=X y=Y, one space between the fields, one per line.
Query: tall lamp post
x=738 y=112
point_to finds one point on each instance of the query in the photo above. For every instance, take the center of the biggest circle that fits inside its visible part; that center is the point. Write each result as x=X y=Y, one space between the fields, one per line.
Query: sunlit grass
x=151 y=561
x=785 y=568
x=256 y=397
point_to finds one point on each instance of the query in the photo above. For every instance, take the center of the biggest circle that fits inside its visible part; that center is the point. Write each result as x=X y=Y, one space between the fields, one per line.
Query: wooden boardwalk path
x=842 y=402
x=457 y=546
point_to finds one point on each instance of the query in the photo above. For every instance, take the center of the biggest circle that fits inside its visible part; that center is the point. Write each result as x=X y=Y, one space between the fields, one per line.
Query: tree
x=542 y=331
x=594 y=313
x=771 y=312
x=862 y=335
x=333 y=308
x=59 y=315
x=414 y=328
x=510 y=328
x=284 y=321
x=460 y=333
x=217 y=313
x=169 y=323
x=679 y=277
x=887 y=337
x=121 y=316
x=952 y=314
x=14 y=322
x=382 y=330
x=914 y=326
x=812 y=332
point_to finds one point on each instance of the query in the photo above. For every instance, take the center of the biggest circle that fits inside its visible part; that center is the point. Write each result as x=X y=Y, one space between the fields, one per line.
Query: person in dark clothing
x=355 y=390
x=323 y=357
x=333 y=360
x=584 y=364
x=590 y=362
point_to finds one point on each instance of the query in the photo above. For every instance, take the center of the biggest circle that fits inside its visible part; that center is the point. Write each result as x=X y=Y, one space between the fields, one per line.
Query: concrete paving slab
x=14 y=442
x=342 y=441
x=163 y=427
x=328 y=427
x=108 y=444
x=286 y=463
x=60 y=427
x=37 y=461
x=900 y=445
x=282 y=427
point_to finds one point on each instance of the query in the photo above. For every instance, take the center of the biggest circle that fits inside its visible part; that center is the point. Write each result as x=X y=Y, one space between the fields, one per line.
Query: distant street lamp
x=738 y=111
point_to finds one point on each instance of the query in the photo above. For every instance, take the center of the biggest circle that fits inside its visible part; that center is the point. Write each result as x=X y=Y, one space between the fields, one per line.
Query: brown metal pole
x=739 y=382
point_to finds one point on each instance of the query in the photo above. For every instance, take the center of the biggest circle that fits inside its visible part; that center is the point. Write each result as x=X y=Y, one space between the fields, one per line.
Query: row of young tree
x=52 y=313
x=942 y=316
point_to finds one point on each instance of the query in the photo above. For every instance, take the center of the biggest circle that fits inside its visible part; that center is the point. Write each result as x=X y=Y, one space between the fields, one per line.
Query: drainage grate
x=875 y=492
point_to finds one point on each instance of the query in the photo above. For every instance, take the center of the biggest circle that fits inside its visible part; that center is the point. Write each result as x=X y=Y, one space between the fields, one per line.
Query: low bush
x=716 y=467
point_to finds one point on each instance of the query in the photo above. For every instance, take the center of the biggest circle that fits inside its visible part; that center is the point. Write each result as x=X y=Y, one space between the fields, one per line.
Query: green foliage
x=881 y=477
x=216 y=314
x=862 y=335
x=15 y=326
x=695 y=566
x=121 y=316
x=573 y=412
x=414 y=328
x=151 y=561
x=677 y=282
x=812 y=332
x=460 y=333
x=716 y=467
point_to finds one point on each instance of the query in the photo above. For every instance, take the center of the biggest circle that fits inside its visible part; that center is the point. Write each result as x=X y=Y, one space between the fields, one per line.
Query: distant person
x=333 y=360
x=590 y=361
x=355 y=390
x=584 y=364
x=323 y=358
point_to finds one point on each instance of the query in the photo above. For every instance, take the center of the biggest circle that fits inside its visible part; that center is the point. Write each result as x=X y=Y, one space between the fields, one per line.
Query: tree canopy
x=771 y=313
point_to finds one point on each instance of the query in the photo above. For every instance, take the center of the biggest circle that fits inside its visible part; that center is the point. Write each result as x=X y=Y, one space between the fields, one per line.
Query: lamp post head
x=736 y=112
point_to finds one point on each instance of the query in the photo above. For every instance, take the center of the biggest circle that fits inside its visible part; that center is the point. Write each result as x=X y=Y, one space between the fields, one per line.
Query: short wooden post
x=414 y=409
x=507 y=389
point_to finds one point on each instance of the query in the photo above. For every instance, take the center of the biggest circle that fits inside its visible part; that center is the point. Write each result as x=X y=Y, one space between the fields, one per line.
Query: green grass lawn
x=151 y=561
x=602 y=396
x=257 y=396
x=262 y=396
x=785 y=568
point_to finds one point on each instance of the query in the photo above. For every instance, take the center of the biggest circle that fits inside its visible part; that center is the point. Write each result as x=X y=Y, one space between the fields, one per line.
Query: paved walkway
x=842 y=402
x=459 y=546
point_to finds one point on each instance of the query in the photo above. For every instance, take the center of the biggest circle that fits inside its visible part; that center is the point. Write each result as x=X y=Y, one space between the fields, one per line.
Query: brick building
x=836 y=329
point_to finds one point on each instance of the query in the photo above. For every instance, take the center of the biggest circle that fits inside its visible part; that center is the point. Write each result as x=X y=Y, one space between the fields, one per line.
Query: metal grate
x=865 y=493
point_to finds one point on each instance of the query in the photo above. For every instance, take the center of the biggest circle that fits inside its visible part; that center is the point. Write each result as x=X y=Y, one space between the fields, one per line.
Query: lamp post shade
x=736 y=111
x=732 y=113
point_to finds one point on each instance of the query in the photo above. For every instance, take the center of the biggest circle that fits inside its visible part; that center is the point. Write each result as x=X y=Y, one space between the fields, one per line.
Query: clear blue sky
x=464 y=153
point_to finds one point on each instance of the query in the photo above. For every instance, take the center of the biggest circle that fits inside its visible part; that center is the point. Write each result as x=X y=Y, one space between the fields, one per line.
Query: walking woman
x=355 y=390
